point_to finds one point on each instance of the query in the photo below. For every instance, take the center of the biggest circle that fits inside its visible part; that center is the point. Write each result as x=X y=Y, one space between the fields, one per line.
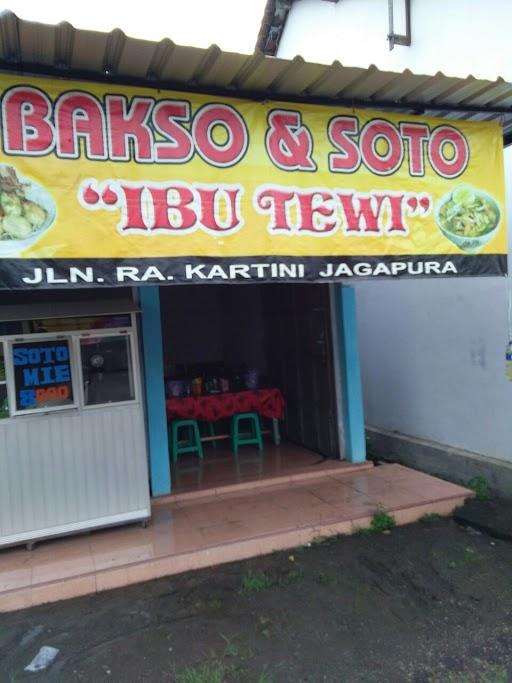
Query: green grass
x=231 y=650
x=483 y=673
x=257 y=582
x=381 y=521
x=430 y=518
x=481 y=488
x=212 y=672
x=264 y=679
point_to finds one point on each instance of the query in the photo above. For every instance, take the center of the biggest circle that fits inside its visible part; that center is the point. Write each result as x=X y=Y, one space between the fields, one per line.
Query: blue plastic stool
x=190 y=444
x=253 y=438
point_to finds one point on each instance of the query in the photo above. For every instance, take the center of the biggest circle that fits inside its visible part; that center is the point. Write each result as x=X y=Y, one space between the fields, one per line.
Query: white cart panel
x=72 y=470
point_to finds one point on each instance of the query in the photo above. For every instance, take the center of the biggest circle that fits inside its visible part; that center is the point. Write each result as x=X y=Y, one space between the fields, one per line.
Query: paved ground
x=428 y=603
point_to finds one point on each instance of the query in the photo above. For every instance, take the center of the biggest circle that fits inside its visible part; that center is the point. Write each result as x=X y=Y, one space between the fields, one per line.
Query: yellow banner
x=94 y=171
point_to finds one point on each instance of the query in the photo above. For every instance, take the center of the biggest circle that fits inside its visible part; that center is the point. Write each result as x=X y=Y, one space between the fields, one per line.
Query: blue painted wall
x=160 y=475
x=353 y=412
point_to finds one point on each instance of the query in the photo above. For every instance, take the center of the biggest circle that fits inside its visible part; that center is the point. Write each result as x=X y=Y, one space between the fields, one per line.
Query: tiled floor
x=196 y=532
x=221 y=471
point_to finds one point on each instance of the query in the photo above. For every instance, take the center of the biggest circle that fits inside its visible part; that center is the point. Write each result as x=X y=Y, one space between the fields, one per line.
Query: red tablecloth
x=211 y=407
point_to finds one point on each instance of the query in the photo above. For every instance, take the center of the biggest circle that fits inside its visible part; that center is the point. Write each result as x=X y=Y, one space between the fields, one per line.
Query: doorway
x=278 y=333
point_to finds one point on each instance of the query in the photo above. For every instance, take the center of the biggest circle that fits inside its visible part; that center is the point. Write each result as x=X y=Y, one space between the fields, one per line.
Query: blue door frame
x=154 y=386
x=350 y=371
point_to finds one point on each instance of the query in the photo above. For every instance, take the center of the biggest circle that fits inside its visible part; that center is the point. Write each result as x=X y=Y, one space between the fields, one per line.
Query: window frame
x=112 y=332
x=73 y=336
x=11 y=381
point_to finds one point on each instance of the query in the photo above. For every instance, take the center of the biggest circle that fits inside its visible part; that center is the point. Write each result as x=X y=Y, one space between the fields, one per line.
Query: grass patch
x=430 y=518
x=481 y=488
x=231 y=649
x=483 y=673
x=257 y=582
x=212 y=672
x=382 y=521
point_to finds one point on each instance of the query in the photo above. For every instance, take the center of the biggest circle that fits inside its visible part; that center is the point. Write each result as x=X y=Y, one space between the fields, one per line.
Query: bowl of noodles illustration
x=468 y=217
x=26 y=211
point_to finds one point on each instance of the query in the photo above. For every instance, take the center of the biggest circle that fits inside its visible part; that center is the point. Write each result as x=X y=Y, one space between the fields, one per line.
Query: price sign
x=42 y=374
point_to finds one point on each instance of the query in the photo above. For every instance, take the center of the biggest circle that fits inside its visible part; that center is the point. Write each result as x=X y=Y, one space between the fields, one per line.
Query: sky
x=231 y=24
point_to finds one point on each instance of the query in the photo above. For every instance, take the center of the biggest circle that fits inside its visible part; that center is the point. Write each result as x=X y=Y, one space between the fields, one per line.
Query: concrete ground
x=426 y=603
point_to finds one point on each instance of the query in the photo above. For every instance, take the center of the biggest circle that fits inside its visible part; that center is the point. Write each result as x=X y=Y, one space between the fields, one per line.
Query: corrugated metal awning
x=64 y=51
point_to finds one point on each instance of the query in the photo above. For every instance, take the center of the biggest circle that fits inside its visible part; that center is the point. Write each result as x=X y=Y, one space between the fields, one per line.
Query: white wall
x=458 y=37
x=433 y=357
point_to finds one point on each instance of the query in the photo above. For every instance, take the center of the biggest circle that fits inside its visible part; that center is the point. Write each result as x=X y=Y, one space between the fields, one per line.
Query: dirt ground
x=427 y=603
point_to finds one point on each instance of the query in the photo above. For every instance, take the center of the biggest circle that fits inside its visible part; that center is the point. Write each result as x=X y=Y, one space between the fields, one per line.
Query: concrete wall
x=458 y=37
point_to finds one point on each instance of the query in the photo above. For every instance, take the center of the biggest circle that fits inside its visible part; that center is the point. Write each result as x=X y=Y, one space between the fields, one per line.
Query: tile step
x=147 y=570
x=297 y=476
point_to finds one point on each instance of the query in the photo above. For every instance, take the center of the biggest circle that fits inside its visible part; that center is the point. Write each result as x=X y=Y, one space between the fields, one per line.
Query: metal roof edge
x=416 y=107
x=62 y=51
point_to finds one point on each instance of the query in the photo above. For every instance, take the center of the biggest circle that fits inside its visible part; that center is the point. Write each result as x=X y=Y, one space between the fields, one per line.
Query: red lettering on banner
x=80 y=115
x=415 y=134
x=26 y=125
x=211 y=200
x=220 y=115
x=313 y=214
x=361 y=211
x=349 y=158
x=164 y=131
x=448 y=167
x=396 y=210
x=172 y=208
x=275 y=201
x=321 y=212
x=389 y=162
x=288 y=142
x=179 y=146
x=129 y=125
x=133 y=218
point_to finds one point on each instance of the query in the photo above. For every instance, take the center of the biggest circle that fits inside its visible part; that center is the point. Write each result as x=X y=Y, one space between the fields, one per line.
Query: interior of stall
x=264 y=350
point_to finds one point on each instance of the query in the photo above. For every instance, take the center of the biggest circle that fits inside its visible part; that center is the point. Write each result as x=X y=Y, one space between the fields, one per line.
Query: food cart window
x=107 y=369
x=42 y=375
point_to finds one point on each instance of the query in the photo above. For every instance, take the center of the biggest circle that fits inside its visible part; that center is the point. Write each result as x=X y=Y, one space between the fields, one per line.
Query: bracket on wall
x=397 y=38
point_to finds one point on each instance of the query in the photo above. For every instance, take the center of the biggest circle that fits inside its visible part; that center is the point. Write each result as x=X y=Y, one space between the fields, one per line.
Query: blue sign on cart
x=42 y=374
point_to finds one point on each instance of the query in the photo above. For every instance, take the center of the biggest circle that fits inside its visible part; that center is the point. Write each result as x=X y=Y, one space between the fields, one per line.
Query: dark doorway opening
x=283 y=331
